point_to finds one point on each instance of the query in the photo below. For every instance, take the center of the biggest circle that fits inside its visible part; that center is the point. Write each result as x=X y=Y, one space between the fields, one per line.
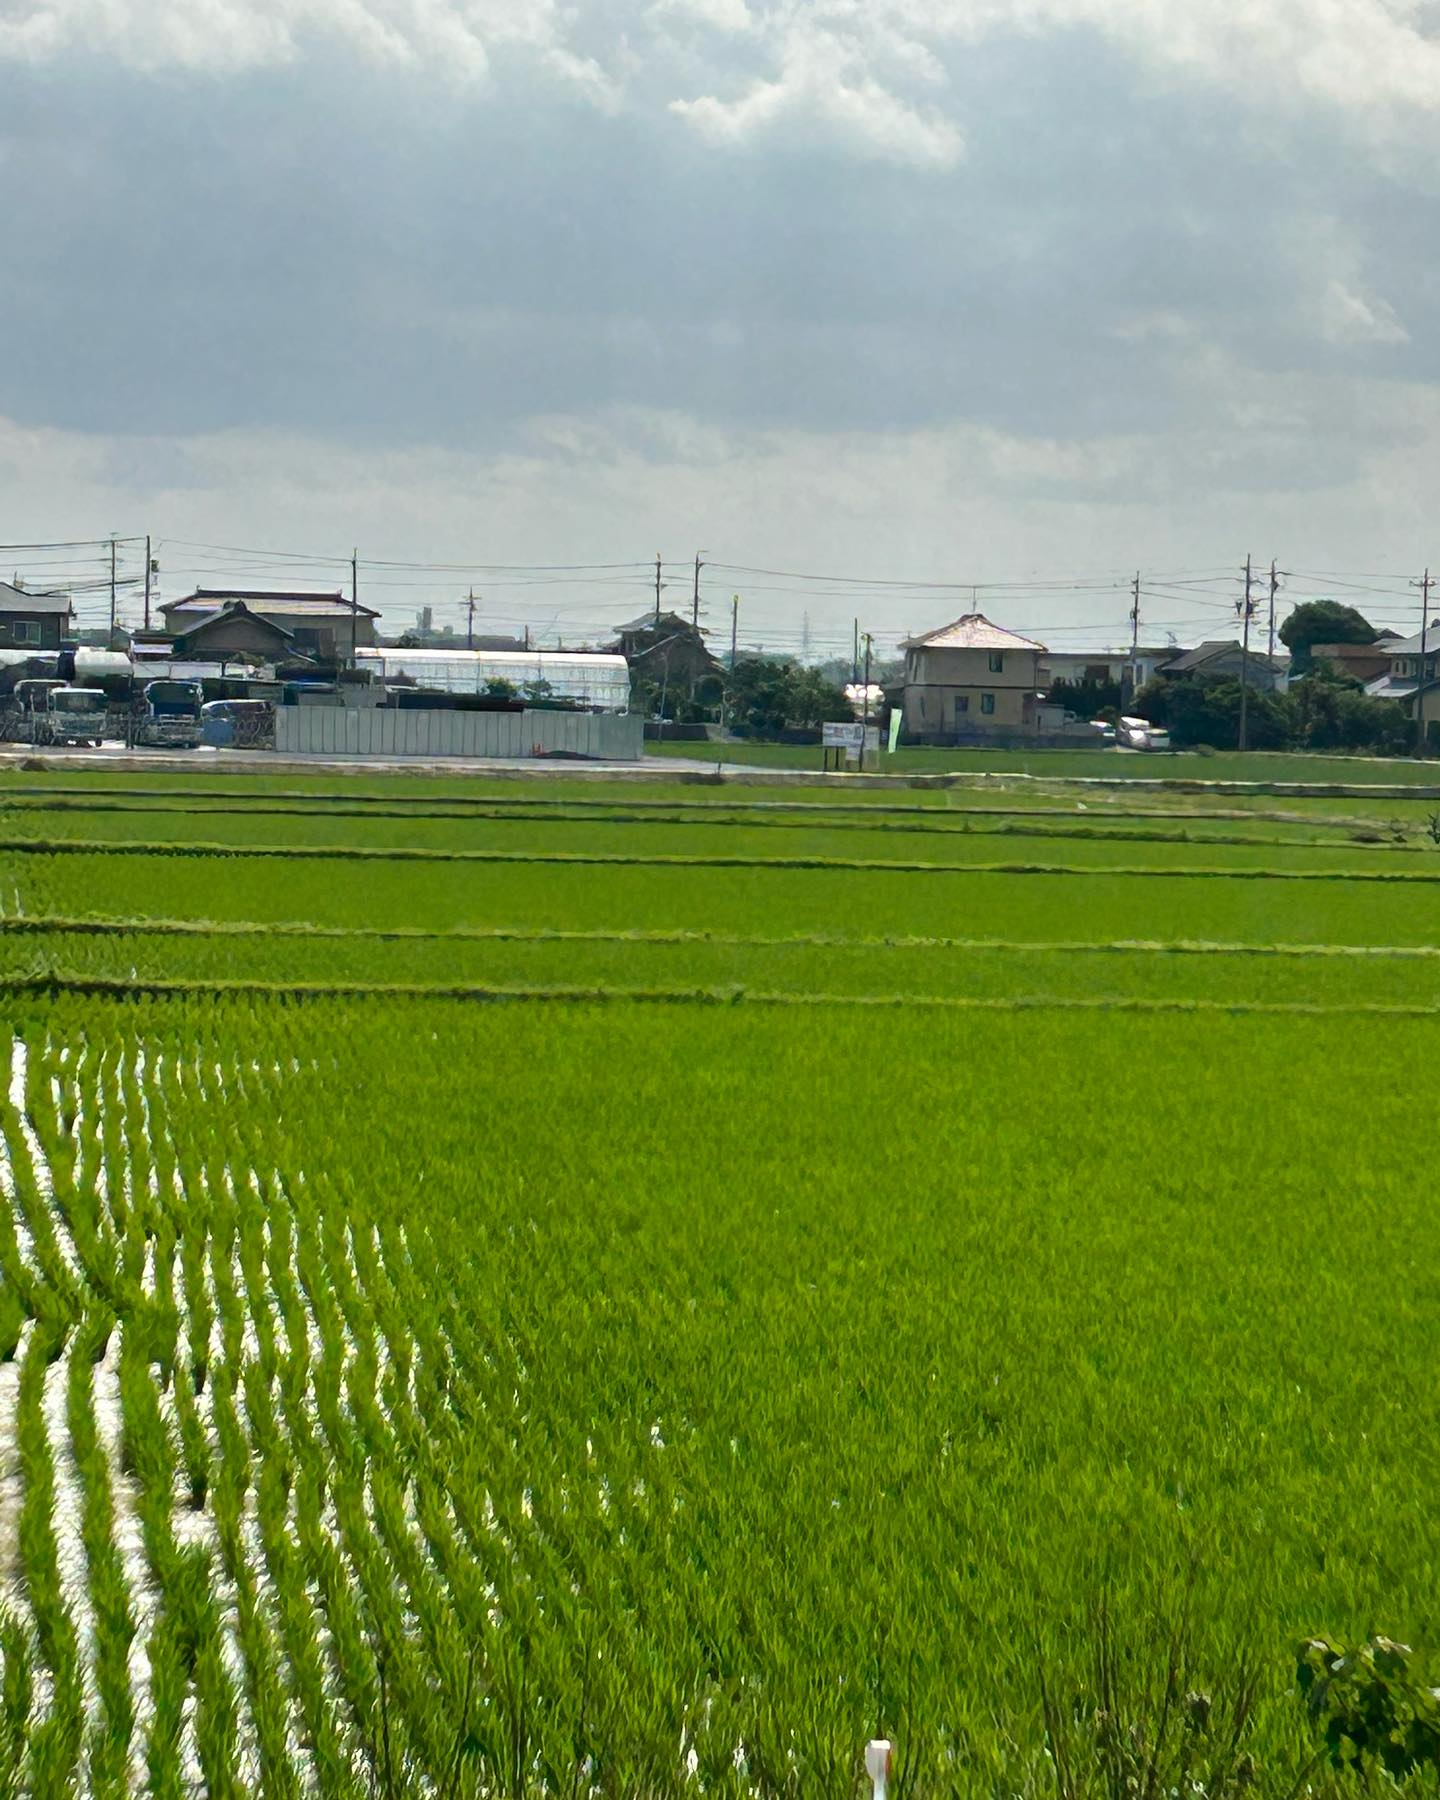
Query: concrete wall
x=386 y=731
x=617 y=737
x=1076 y=738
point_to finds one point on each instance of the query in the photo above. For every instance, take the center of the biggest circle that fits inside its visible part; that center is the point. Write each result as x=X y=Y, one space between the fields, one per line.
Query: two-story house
x=1410 y=665
x=971 y=678
x=32 y=621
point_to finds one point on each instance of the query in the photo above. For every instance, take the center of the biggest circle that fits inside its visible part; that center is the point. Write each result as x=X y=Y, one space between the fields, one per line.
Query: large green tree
x=766 y=695
x=1323 y=622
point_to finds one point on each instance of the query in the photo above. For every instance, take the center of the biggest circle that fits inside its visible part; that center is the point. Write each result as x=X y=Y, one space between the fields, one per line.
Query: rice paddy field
x=560 y=1288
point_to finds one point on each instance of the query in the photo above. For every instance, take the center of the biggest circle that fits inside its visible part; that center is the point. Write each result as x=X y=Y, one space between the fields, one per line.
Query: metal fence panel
x=385 y=731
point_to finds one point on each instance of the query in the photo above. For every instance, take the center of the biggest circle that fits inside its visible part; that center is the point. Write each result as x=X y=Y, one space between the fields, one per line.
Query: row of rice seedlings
x=56 y=1734
x=17 y=1687
x=149 y=1461
x=57 y=1293
x=107 y=1748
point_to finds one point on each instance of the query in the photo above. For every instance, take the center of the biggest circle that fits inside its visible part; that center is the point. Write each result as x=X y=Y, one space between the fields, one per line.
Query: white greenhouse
x=590 y=678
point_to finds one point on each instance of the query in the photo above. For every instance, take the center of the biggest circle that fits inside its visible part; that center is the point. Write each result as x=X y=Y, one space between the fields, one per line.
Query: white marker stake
x=877 y=1765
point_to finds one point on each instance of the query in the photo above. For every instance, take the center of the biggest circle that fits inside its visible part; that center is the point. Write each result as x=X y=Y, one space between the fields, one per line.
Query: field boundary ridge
x=160 y=988
x=544 y=769
x=42 y=925
x=606 y=859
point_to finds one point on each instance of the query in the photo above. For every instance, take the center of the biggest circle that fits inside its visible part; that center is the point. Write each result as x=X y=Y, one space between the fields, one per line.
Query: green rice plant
x=13 y=1315
x=56 y=1297
x=166 y=1650
x=16 y=1701
x=108 y=1741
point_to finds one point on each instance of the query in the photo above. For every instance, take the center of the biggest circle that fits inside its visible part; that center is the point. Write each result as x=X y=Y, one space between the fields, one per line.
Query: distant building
x=322 y=626
x=32 y=621
x=971 y=678
x=665 y=648
x=1098 y=666
x=234 y=632
x=1362 y=662
x=1402 y=676
x=1224 y=659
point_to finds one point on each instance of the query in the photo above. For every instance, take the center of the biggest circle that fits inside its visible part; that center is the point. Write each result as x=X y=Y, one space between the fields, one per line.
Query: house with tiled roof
x=327 y=627
x=31 y=621
x=972 y=678
x=1226 y=659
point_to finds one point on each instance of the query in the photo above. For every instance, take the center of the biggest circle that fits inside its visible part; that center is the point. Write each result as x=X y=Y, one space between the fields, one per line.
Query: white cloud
x=824 y=80
x=454 y=37
x=719 y=15
x=1348 y=318
x=870 y=75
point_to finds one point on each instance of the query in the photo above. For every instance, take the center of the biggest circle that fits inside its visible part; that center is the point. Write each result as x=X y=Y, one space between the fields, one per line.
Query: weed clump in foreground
x=1375 y=1711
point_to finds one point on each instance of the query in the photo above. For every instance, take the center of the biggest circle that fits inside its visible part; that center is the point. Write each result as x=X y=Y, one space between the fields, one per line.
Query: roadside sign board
x=842 y=734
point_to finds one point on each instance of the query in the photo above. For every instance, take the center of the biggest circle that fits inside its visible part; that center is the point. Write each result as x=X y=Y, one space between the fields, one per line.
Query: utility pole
x=727 y=710
x=112 y=590
x=1134 y=635
x=855 y=655
x=354 y=603
x=1424 y=584
x=1274 y=590
x=1245 y=661
x=865 y=703
x=147 y=580
x=695 y=614
x=470 y=622
x=657 y=587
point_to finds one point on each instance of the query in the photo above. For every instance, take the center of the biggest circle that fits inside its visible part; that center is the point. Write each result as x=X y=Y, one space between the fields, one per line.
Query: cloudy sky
x=950 y=291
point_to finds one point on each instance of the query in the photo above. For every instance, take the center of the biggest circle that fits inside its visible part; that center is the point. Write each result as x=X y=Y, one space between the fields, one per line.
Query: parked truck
x=172 y=714
x=51 y=712
x=78 y=715
x=30 y=704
